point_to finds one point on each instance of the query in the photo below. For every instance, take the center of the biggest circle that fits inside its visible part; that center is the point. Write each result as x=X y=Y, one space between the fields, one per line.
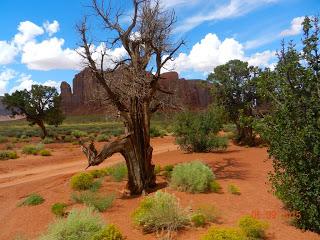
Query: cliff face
x=87 y=97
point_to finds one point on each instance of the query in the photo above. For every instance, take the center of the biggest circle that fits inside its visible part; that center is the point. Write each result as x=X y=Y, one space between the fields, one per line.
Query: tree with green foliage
x=293 y=127
x=235 y=90
x=40 y=105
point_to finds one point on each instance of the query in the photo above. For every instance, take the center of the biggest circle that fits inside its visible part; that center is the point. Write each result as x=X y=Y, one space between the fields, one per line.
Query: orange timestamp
x=273 y=214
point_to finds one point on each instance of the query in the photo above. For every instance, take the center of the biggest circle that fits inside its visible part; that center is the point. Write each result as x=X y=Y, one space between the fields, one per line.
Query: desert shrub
x=98 y=202
x=67 y=139
x=10 y=146
x=109 y=232
x=32 y=200
x=79 y=225
x=157 y=169
x=224 y=233
x=96 y=185
x=159 y=212
x=102 y=138
x=215 y=187
x=98 y=173
x=5 y=155
x=59 y=209
x=81 y=181
x=292 y=128
x=157 y=132
x=3 y=139
x=198 y=220
x=197 y=132
x=118 y=172
x=45 y=152
x=168 y=170
x=191 y=177
x=78 y=133
x=48 y=140
x=253 y=228
x=32 y=149
x=233 y=189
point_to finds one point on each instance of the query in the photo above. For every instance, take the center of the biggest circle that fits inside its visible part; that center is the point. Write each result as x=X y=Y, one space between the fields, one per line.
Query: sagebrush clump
x=32 y=200
x=6 y=155
x=32 y=149
x=81 y=181
x=59 y=209
x=160 y=211
x=90 y=199
x=79 y=225
x=224 y=233
x=192 y=177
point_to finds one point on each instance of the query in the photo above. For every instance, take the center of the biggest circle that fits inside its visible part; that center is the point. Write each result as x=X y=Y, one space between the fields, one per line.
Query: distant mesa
x=86 y=97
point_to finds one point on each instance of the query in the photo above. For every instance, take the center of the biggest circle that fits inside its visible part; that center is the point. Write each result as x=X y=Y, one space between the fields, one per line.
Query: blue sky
x=38 y=38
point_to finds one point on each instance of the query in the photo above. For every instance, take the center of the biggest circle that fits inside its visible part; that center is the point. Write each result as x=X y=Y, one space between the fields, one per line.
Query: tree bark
x=134 y=147
x=43 y=129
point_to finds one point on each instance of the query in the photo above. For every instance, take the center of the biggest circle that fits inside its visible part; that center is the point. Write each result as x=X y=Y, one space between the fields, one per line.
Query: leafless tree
x=132 y=82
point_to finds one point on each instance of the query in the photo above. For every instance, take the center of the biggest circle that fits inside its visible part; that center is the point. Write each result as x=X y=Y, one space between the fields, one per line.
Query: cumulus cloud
x=211 y=52
x=25 y=81
x=295 y=28
x=51 y=28
x=49 y=54
x=6 y=74
x=8 y=52
x=27 y=32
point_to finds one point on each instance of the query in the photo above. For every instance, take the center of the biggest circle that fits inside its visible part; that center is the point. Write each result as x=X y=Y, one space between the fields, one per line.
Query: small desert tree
x=40 y=105
x=235 y=90
x=132 y=82
x=293 y=127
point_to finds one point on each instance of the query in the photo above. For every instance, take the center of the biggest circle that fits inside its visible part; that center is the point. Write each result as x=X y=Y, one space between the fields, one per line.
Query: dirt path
x=34 y=173
x=245 y=167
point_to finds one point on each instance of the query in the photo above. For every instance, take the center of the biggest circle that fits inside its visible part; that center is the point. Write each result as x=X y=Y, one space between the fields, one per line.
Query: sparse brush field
x=209 y=196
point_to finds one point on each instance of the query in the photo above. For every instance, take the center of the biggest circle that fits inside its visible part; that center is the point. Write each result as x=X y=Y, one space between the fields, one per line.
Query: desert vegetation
x=245 y=167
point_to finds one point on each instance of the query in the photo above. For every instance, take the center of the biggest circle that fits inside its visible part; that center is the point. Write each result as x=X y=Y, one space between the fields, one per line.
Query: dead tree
x=132 y=83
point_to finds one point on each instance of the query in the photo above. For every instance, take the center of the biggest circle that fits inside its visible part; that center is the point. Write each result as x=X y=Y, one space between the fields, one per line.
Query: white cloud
x=25 y=82
x=27 y=32
x=174 y=3
x=51 y=28
x=8 y=51
x=49 y=54
x=6 y=74
x=211 y=52
x=234 y=8
x=295 y=27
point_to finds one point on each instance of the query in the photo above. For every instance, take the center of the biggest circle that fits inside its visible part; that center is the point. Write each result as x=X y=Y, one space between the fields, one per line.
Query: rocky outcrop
x=86 y=97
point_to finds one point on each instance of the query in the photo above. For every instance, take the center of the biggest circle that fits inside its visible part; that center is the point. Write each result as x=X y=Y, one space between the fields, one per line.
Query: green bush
x=215 y=187
x=81 y=181
x=110 y=232
x=168 y=170
x=79 y=225
x=48 y=140
x=160 y=211
x=191 y=177
x=253 y=228
x=224 y=233
x=102 y=138
x=118 y=172
x=5 y=155
x=96 y=185
x=78 y=133
x=32 y=149
x=100 y=203
x=32 y=200
x=198 y=220
x=45 y=152
x=59 y=209
x=292 y=127
x=233 y=189
x=156 y=132
x=197 y=132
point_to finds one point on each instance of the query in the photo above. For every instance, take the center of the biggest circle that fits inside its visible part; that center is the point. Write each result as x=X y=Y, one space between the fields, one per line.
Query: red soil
x=49 y=176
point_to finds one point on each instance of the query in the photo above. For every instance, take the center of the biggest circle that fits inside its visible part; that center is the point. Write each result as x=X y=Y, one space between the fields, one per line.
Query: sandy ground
x=49 y=176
